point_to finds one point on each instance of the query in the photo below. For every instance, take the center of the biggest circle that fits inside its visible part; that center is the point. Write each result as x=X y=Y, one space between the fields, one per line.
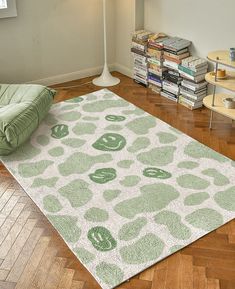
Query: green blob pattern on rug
x=56 y=152
x=141 y=125
x=85 y=256
x=115 y=118
x=205 y=219
x=102 y=176
x=226 y=199
x=52 y=204
x=144 y=250
x=122 y=188
x=153 y=198
x=219 y=179
x=85 y=128
x=189 y=181
x=96 y=215
x=43 y=140
x=49 y=182
x=188 y=165
x=79 y=163
x=59 y=131
x=101 y=239
x=156 y=173
x=139 y=144
x=174 y=224
x=69 y=116
x=166 y=137
x=196 y=199
x=67 y=227
x=161 y=156
x=73 y=142
x=77 y=192
x=130 y=181
x=110 y=274
x=125 y=164
x=110 y=195
x=29 y=170
x=131 y=230
x=110 y=142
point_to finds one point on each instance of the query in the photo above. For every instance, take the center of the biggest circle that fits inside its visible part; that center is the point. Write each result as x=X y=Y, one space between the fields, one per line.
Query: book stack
x=139 y=50
x=175 y=51
x=155 y=60
x=193 y=87
x=171 y=85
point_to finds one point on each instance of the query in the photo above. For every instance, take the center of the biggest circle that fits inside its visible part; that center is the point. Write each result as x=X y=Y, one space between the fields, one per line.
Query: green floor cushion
x=22 y=108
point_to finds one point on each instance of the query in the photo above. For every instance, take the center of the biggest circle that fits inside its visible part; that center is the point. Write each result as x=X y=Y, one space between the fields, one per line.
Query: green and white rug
x=123 y=188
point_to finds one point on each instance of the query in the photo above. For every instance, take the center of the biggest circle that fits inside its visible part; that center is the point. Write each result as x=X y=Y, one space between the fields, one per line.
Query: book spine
x=178 y=61
x=186 y=70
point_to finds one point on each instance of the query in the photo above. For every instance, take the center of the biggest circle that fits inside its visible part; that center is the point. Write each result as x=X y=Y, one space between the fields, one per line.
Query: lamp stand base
x=106 y=79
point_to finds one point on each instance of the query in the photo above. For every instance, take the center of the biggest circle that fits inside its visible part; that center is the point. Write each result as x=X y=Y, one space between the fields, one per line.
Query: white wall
x=53 y=37
x=209 y=24
x=129 y=17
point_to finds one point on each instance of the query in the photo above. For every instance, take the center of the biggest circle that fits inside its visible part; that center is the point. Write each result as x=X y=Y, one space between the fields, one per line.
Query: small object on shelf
x=229 y=102
x=232 y=54
x=221 y=74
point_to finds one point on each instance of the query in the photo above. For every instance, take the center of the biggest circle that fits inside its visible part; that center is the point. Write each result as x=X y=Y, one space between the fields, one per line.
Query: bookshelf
x=223 y=56
x=228 y=83
x=215 y=101
x=219 y=106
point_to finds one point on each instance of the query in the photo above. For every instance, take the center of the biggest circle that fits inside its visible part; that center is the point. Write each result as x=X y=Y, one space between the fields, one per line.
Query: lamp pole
x=106 y=79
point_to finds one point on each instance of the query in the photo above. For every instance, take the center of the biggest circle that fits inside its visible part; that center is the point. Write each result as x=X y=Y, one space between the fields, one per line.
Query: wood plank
x=10 y=205
x=24 y=256
x=5 y=197
x=3 y=274
x=221 y=273
x=172 y=275
x=77 y=285
x=66 y=279
x=3 y=187
x=13 y=234
x=43 y=268
x=199 y=278
x=159 y=279
x=54 y=275
x=186 y=272
x=213 y=284
x=18 y=245
x=7 y=285
x=31 y=268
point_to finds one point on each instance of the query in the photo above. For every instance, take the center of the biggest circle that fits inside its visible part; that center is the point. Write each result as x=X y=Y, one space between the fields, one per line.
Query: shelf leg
x=213 y=98
x=214 y=91
x=211 y=120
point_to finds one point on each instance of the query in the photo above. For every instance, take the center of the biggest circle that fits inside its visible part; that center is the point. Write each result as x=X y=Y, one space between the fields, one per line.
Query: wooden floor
x=33 y=256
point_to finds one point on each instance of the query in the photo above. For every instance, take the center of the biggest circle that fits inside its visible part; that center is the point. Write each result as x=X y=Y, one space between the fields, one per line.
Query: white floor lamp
x=106 y=79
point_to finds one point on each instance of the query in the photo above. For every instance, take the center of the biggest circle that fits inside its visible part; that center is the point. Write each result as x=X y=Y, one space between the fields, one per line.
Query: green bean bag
x=22 y=108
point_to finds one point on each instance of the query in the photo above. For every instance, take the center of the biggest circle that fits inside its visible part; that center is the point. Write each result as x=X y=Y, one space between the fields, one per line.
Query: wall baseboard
x=123 y=69
x=57 y=79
